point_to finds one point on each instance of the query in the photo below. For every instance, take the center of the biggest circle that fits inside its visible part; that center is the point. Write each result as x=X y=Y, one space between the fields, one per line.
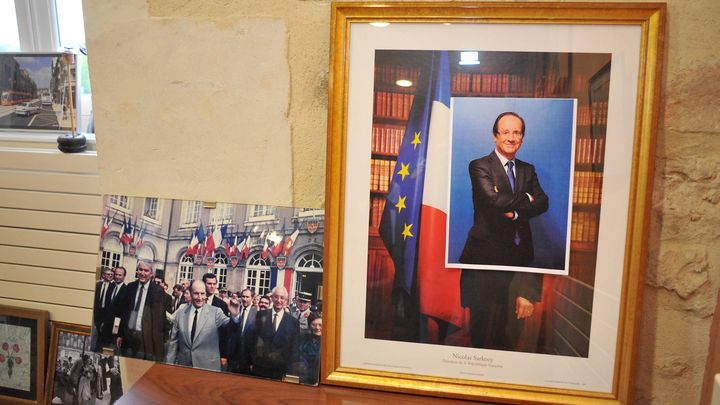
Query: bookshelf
x=562 y=321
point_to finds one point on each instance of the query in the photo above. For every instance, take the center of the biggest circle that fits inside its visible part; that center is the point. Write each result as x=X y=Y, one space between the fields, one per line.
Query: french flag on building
x=127 y=235
x=244 y=248
x=213 y=241
x=290 y=242
x=231 y=248
x=196 y=241
x=413 y=222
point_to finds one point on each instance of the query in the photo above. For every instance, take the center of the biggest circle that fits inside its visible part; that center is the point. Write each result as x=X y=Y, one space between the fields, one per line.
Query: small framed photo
x=76 y=374
x=488 y=195
x=23 y=334
x=38 y=92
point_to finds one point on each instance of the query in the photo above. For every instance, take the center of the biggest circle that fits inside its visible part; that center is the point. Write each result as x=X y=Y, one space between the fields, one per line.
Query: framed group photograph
x=216 y=286
x=488 y=190
x=23 y=334
x=76 y=374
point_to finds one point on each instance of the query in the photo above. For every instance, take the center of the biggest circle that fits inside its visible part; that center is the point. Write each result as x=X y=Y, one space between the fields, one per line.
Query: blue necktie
x=510 y=174
x=511 y=178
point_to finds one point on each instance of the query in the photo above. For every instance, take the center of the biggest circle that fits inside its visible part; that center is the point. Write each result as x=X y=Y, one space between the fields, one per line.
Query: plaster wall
x=255 y=130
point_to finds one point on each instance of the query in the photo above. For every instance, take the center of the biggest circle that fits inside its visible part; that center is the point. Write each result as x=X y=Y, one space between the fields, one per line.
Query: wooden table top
x=165 y=384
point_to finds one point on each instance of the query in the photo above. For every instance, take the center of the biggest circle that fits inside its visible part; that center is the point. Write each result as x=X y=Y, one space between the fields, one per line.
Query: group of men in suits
x=245 y=340
x=203 y=331
x=109 y=292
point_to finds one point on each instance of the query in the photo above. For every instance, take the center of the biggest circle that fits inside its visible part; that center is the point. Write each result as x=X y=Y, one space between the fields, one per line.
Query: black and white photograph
x=76 y=374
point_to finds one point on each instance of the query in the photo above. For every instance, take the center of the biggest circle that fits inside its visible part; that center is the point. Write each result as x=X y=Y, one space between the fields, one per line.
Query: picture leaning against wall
x=218 y=286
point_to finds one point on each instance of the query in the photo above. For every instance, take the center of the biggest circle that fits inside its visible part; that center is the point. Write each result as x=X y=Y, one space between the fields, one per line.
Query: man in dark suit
x=274 y=338
x=210 y=281
x=240 y=338
x=143 y=324
x=506 y=195
x=102 y=312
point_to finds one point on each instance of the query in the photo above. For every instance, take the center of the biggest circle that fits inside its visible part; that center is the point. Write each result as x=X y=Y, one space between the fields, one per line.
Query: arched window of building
x=185 y=269
x=257 y=274
x=308 y=275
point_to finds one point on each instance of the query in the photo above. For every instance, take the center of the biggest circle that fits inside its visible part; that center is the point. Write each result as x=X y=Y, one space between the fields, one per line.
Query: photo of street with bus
x=38 y=91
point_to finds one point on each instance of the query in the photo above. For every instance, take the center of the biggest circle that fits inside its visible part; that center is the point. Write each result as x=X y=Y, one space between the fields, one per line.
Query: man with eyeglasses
x=506 y=195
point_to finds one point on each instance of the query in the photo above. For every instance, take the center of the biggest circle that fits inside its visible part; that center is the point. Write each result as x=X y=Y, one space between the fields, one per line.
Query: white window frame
x=311 y=212
x=222 y=214
x=110 y=259
x=265 y=214
x=220 y=270
x=185 y=220
x=257 y=274
x=185 y=268
x=158 y=210
x=114 y=202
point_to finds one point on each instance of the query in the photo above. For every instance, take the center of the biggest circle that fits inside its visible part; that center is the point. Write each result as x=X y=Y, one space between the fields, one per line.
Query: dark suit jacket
x=218 y=302
x=153 y=320
x=239 y=343
x=272 y=350
x=491 y=239
x=103 y=317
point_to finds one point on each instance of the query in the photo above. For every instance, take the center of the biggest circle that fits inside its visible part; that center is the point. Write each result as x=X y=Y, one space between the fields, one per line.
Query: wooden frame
x=24 y=335
x=77 y=342
x=632 y=35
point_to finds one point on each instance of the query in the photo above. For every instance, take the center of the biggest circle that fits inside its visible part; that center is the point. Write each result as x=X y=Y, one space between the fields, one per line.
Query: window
x=9 y=39
x=310 y=261
x=151 y=210
x=261 y=212
x=110 y=260
x=190 y=213
x=308 y=277
x=257 y=274
x=185 y=270
x=311 y=212
x=121 y=202
x=220 y=270
x=222 y=214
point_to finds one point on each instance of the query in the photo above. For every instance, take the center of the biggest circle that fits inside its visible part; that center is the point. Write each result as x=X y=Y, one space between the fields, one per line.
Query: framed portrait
x=487 y=199
x=38 y=92
x=76 y=374
x=198 y=285
x=23 y=334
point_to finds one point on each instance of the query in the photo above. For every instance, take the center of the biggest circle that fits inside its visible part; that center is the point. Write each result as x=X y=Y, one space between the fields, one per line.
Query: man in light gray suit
x=194 y=341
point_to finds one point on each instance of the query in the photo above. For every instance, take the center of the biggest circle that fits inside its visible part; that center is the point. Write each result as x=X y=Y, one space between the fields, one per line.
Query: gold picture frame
x=372 y=45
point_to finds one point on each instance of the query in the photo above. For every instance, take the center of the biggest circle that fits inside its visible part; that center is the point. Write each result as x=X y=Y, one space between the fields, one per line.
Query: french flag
x=265 y=251
x=413 y=222
x=213 y=241
x=105 y=227
x=245 y=248
x=432 y=275
x=290 y=242
x=196 y=241
x=140 y=240
x=127 y=236
x=278 y=247
x=231 y=249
